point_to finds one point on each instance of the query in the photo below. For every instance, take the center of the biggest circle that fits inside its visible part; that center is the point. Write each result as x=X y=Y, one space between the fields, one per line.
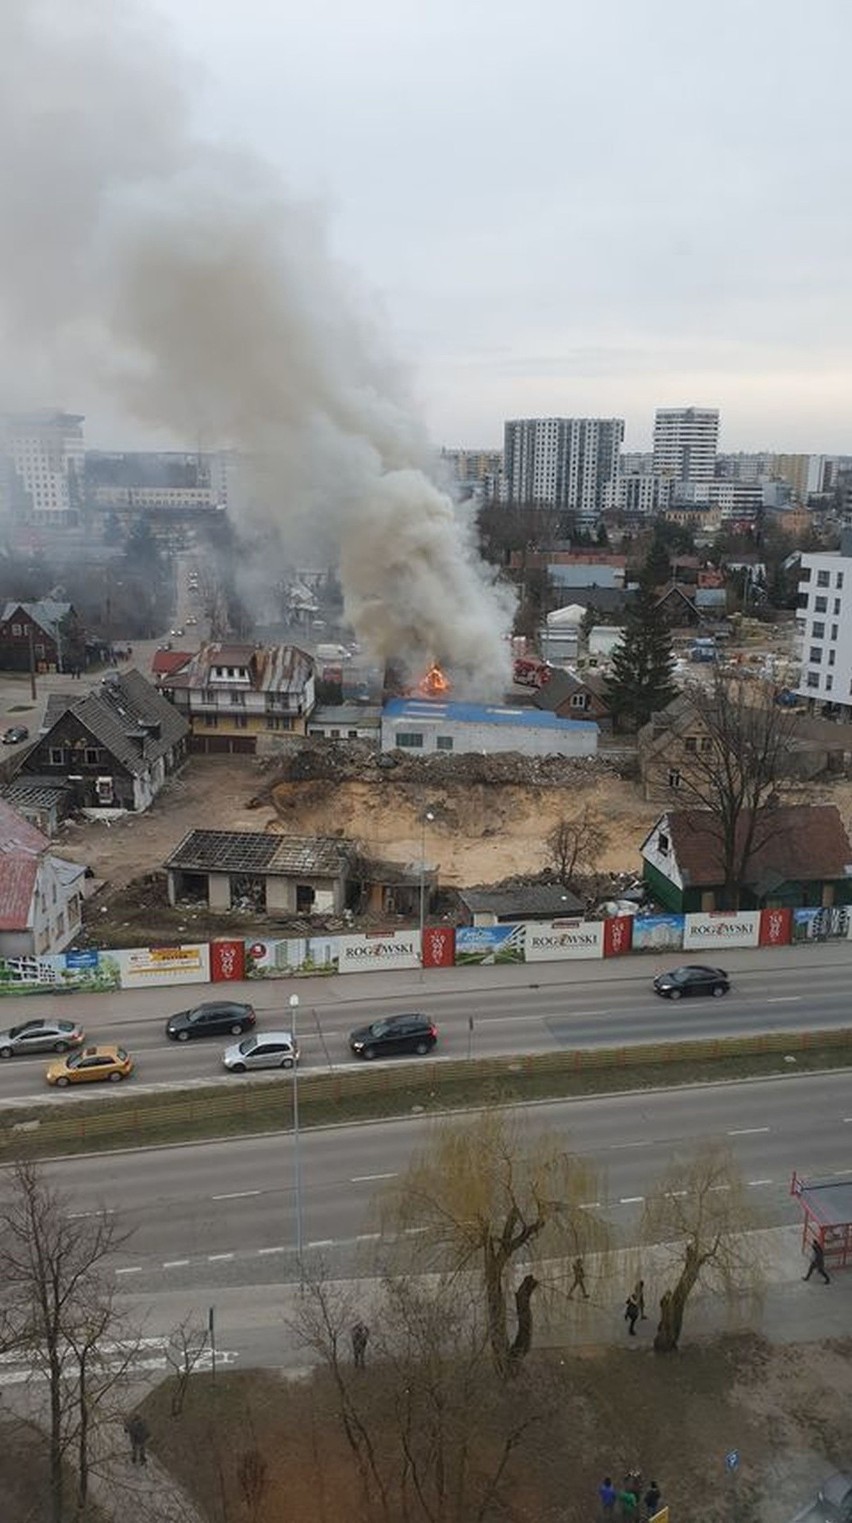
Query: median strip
x=404 y=1089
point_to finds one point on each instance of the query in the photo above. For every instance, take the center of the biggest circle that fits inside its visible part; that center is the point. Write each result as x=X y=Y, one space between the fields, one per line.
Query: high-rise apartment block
x=685 y=443
x=562 y=463
x=43 y=466
x=825 y=611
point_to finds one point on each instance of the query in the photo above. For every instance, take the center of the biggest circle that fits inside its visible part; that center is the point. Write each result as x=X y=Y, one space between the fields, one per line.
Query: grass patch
x=433 y=1089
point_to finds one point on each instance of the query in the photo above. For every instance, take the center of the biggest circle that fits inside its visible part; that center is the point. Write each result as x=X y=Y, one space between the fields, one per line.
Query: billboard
x=294 y=954
x=722 y=928
x=657 y=933
x=144 y=967
x=87 y=970
x=617 y=935
x=822 y=924
x=555 y=940
x=439 y=946
x=489 y=944
x=380 y=951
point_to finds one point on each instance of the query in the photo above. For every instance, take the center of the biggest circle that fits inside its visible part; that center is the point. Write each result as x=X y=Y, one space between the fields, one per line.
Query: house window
x=444 y=743
x=821 y=605
x=822 y=579
x=815 y=655
x=706 y=743
x=662 y=839
x=409 y=739
x=93 y=756
x=241 y=721
x=352 y=734
x=17 y=629
x=57 y=756
x=579 y=701
x=834 y=631
x=691 y=743
x=239 y=700
x=335 y=734
x=60 y=923
x=211 y=721
x=838 y=580
x=40 y=651
x=836 y=607
x=674 y=782
x=208 y=695
x=829 y=683
x=277 y=724
x=813 y=679
x=818 y=631
x=831 y=657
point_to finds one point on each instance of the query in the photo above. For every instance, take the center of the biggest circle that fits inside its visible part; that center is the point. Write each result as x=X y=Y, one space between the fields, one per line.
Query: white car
x=265 y=1049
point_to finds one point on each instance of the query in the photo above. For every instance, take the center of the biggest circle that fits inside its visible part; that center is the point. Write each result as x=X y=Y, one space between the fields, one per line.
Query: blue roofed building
x=426 y=725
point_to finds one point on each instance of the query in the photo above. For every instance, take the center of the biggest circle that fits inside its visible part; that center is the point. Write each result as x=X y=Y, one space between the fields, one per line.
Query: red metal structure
x=827 y=1217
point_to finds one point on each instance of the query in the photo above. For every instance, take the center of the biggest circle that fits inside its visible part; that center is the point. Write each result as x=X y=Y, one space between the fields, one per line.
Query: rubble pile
x=325 y=761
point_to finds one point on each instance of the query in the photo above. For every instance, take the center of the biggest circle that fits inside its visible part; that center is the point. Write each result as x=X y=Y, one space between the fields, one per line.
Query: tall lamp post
x=297 y=1156
x=427 y=819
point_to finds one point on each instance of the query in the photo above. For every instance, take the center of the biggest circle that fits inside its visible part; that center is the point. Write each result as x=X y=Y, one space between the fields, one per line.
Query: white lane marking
x=272 y=1250
x=785 y=999
x=631 y=1200
x=76 y=1216
x=235 y=1195
x=748 y=1131
x=366 y=1237
x=847 y=1119
x=135 y=1269
x=213 y=1258
x=589 y=1205
x=364 y=1179
x=720 y=1187
x=760 y=1182
x=322 y=1242
x=615 y=1146
x=676 y=1194
x=175 y=1263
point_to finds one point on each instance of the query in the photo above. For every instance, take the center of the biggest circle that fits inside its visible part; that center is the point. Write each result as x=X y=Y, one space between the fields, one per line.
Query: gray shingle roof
x=116 y=714
x=256 y=851
x=549 y=899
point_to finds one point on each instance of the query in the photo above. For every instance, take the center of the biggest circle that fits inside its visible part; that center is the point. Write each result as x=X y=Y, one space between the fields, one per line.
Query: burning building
x=429 y=724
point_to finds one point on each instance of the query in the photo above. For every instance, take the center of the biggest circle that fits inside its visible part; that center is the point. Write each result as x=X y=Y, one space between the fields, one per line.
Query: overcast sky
x=586 y=208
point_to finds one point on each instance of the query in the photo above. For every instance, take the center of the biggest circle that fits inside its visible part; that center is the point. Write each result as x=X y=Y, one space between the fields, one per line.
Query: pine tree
x=641 y=681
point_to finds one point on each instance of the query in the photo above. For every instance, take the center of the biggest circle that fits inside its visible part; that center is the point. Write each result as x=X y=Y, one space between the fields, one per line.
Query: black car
x=15 y=734
x=397 y=1033
x=693 y=978
x=217 y=1018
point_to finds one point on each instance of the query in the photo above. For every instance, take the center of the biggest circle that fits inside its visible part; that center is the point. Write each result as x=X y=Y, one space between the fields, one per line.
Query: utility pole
x=33 y=692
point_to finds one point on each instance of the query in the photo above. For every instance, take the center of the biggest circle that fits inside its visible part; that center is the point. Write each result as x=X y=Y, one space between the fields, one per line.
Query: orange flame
x=434 y=684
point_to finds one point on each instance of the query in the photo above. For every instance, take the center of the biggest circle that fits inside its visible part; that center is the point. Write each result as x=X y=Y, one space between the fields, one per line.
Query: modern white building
x=563 y=463
x=425 y=725
x=686 y=440
x=825 y=611
x=44 y=456
x=640 y=493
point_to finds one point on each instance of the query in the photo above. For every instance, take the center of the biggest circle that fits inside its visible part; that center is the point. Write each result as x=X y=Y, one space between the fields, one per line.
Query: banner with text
x=720 y=929
x=439 y=946
x=831 y=923
x=486 y=944
x=283 y=958
x=555 y=940
x=145 y=967
x=657 y=933
x=377 y=952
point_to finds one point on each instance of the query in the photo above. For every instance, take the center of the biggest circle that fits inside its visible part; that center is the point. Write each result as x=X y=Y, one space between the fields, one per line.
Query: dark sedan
x=15 y=734
x=693 y=978
x=395 y=1034
x=216 y=1018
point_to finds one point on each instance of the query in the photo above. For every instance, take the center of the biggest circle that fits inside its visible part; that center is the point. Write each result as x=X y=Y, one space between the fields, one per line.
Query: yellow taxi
x=89 y=1065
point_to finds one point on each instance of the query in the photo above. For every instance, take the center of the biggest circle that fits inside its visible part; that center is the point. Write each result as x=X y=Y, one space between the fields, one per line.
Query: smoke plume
x=178 y=278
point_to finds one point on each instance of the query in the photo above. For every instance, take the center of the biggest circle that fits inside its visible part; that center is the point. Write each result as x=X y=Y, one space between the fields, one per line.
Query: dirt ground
x=785 y=1409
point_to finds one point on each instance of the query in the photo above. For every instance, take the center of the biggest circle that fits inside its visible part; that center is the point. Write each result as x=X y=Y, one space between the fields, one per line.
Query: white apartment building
x=45 y=454
x=825 y=611
x=638 y=493
x=685 y=443
x=563 y=463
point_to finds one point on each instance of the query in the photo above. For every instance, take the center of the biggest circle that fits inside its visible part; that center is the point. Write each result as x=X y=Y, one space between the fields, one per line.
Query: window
x=706 y=743
x=273 y=723
x=409 y=739
x=335 y=734
x=211 y=721
x=674 y=782
x=17 y=629
x=57 y=756
x=241 y=721
x=838 y=580
x=818 y=631
x=579 y=701
x=836 y=607
x=813 y=679
x=822 y=579
x=238 y=700
x=820 y=605
x=208 y=695
x=40 y=651
x=815 y=655
x=829 y=683
x=831 y=656
x=444 y=743
x=690 y=743
x=834 y=631
x=662 y=838
x=93 y=756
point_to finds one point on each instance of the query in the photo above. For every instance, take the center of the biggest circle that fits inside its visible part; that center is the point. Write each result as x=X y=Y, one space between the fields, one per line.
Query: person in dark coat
x=817 y=1262
x=136 y=1429
x=631 y=1312
x=579 y=1281
x=360 y=1339
x=653 y=1498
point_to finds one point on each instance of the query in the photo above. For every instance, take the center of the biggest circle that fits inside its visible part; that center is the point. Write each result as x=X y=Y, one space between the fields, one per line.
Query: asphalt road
x=527 y=1008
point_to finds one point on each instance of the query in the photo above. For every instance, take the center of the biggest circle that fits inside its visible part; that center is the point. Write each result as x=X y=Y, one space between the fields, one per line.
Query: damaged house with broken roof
x=260 y=870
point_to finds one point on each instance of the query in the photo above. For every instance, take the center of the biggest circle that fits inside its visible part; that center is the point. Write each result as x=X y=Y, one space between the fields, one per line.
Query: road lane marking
x=631 y=1200
x=175 y=1263
x=272 y=1250
x=785 y=999
x=364 y=1179
x=76 y=1216
x=235 y=1195
x=720 y=1187
x=676 y=1194
x=589 y=1205
x=760 y=1182
x=615 y=1146
x=749 y=1131
x=365 y=1237
x=135 y=1269
x=213 y=1258
x=322 y=1242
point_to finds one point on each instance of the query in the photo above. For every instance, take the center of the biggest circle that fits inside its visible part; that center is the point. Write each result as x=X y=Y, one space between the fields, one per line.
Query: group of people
x=632 y=1505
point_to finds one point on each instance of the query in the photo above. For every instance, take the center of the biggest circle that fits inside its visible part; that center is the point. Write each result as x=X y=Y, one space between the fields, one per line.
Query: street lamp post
x=297 y=1156
x=427 y=819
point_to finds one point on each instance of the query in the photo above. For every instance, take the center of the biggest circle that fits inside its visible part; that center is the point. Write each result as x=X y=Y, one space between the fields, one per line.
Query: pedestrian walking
x=817 y=1262
x=631 y=1312
x=579 y=1281
x=628 y=1503
x=653 y=1498
x=639 y=1298
x=137 y=1431
x=360 y=1339
x=608 y=1496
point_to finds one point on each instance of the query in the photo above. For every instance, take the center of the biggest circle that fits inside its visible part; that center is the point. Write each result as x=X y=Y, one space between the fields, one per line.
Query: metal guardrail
x=137 y=1121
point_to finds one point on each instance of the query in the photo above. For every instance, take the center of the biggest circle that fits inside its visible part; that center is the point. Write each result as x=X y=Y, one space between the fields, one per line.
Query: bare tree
x=57 y=1313
x=575 y=843
x=701 y=1208
x=187 y=1347
x=486 y=1196
x=734 y=770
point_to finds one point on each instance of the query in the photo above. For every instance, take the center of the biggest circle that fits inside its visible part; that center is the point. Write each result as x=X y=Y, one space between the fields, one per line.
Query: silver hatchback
x=265 y=1049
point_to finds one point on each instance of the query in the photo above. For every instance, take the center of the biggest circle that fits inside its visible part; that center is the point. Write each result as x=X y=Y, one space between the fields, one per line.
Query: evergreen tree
x=642 y=677
x=657 y=566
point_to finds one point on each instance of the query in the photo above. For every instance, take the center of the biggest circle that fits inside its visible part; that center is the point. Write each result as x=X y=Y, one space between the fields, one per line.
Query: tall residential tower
x=563 y=463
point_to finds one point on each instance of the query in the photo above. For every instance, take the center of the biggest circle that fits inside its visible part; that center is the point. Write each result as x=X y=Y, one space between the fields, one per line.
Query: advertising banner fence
x=144 y=967
x=384 y=949
x=832 y=923
x=657 y=933
x=556 y=940
x=720 y=929
x=486 y=944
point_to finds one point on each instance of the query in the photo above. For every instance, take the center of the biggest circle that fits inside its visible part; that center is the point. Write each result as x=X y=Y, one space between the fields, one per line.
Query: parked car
x=693 y=978
x=15 y=734
x=89 y=1065
x=832 y=1503
x=396 y=1033
x=40 y=1036
x=216 y=1018
x=270 y=1049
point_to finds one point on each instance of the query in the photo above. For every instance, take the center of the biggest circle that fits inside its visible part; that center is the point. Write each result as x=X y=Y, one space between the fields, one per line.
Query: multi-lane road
x=480 y=1011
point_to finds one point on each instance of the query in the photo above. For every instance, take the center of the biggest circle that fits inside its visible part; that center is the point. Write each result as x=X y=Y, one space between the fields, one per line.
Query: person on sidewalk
x=629 y=1505
x=817 y=1262
x=608 y=1496
x=639 y=1298
x=653 y=1498
x=579 y=1280
x=137 y=1431
x=631 y=1312
x=360 y=1339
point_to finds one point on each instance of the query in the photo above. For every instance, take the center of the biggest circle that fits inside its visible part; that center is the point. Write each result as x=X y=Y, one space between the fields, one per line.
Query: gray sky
x=565 y=207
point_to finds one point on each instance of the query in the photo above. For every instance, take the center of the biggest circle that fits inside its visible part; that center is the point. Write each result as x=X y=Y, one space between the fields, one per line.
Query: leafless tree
x=575 y=843
x=488 y=1197
x=701 y=1208
x=57 y=1313
x=734 y=770
x=187 y=1347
